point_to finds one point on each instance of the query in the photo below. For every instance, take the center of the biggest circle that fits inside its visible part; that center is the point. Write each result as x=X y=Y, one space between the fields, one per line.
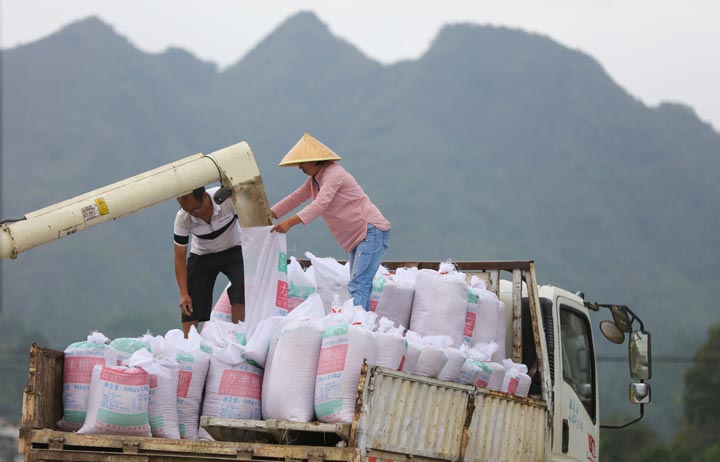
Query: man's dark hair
x=321 y=162
x=198 y=194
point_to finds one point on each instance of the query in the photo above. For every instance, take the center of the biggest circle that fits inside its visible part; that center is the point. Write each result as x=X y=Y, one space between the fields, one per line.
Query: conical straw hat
x=308 y=149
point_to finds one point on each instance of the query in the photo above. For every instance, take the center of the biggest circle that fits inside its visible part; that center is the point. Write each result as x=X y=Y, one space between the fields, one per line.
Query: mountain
x=495 y=144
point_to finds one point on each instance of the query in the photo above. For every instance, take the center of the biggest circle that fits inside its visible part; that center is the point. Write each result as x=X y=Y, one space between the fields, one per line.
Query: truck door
x=576 y=404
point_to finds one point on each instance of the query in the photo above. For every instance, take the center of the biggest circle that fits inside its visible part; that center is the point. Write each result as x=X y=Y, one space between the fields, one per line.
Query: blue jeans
x=365 y=260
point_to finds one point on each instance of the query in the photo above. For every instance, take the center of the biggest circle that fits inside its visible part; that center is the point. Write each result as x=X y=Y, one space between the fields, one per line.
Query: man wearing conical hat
x=352 y=218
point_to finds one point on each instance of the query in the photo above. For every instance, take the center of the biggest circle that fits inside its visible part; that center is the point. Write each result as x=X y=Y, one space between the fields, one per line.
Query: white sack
x=193 y=365
x=331 y=278
x=258 y=344
x=344 y=347
x=233 y=390
x=222 y=310
x=162 y=369
x=80 y=358
x=300 y=285
x=218 y=333
x=290 y=374
x=265 y=268
x=391 y=345
x=440 y=305
x=516 y=380
x=392 y=295
x=432 y=358
x=118 y=402
x=413 y=349
x=501 y=330
x=453 y=366
x=121 y=349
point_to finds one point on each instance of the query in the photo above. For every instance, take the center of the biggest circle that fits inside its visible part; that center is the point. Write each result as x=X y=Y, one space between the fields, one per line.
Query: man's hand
x=186 y=305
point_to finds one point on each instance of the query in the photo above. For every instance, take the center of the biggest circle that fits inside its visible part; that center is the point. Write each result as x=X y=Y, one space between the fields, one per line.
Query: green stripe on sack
x=74 y=416
x=123 y=420
x=378 y=284
x=340 y=329
x=157 y=421
x=473 y=298
x=325 y=409
x=253 y=363
x=296 y=291
x=282 y=267
x=206 y=349
x=185 y=358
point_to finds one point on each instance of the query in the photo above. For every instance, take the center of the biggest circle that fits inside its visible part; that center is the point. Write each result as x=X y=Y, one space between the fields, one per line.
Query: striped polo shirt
x=222 y=233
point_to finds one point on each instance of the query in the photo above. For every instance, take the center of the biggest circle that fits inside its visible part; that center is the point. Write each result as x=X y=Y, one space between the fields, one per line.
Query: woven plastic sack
x=193 y=365
x=392 y=295
x=440 y=305
x=300 y=284
x=331 y=278
x=118 y=402
x=162 y=367
x=344 y=348
x=233 y=387
x=80 y=358
x=391 y=345
x=121 y=349
x=265 y=266
x=291 y=372
x=501 y=330
x=453 y=366
x=414 y=348
x=217 y=333
x=222 y=310
x=516 y=381
x=432 y=358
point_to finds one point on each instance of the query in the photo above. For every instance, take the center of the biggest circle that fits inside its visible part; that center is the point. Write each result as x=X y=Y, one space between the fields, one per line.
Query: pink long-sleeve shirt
x=342 y=203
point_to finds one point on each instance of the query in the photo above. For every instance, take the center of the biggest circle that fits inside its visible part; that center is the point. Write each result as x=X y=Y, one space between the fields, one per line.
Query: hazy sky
x=658 y=50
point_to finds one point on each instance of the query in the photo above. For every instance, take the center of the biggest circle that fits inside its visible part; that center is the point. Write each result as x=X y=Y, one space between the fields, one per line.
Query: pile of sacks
x=302 y=366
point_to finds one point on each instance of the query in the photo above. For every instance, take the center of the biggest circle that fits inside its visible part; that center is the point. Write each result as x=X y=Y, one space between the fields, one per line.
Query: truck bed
x=399 y=417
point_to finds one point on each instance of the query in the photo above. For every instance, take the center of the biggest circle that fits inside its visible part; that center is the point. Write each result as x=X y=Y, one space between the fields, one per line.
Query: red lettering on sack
x=469 y=323
x=373 y=305
x=281 y=301
x=240 y=383
x=79 y=369
x=332 y=359
x=153 y=381
x=128 y=377
x=512 y=386
x=184 y=378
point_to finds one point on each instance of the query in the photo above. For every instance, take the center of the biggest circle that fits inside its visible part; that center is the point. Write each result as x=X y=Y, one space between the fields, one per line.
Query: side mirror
x=640 y=393
x=639 y=355
x=621 y=318
x=611 y=332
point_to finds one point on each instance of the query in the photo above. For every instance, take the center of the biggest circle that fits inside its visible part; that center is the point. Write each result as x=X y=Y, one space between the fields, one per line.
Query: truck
x=399 y=417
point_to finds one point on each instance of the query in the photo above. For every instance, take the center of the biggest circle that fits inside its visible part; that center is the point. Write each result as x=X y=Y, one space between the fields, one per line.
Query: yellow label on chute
x=102 y=206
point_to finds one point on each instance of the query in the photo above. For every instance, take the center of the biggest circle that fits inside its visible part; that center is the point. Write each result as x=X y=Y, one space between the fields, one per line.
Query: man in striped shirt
x=215 y=249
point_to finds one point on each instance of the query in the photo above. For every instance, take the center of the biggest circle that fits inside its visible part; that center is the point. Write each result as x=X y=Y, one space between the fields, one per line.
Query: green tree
x=697 y=439
x=14 y=353
x=637 y=443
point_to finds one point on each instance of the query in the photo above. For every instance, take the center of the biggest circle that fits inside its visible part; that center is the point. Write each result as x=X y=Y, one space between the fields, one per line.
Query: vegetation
x=697 y=439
